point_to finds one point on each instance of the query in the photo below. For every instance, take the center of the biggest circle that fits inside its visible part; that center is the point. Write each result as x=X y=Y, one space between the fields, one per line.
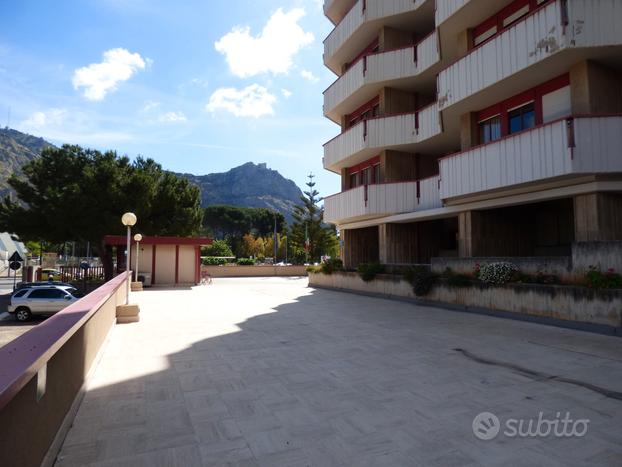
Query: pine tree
x=310 y=238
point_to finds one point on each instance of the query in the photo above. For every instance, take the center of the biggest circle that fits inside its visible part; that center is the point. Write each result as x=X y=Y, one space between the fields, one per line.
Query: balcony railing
x=364 y=11
x=335 y=10
x=571 y=146
x=385 y=66
x=383 y=199
x=530 y=40
x=384 y=132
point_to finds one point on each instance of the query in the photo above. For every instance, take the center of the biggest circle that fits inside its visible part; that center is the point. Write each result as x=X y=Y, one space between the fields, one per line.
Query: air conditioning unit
x=145 y=278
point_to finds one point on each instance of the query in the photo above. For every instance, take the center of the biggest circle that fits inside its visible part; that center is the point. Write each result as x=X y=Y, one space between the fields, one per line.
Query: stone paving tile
x=267 y=372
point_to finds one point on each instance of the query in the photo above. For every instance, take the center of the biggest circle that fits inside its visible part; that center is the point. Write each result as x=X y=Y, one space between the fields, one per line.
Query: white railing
x=383 y=199
x=529 y=41
x=361 y=12
x=593 y=23
x=380 y=67
x=583 y=145
x=380 y=133
x=446 y=8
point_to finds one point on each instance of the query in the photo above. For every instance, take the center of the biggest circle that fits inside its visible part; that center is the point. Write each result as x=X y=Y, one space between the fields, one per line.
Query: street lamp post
x=137 y=238
x=128 y=219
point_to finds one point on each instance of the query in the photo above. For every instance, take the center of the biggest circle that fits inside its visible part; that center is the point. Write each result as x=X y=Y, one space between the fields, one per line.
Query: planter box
x=560 y=302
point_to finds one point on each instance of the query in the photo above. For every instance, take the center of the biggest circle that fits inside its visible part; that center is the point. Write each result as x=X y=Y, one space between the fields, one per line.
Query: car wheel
x=23 y=314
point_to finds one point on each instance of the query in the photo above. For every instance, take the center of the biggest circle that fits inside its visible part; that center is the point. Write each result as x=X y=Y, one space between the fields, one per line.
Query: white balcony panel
x=594 y=22
x=382 y=67
x=598 y=142
x=380 y=133
x=529 y=41
x=539 y=154
x=446 y=8
x=429 y=194
x=357 y=16
x=382 y=200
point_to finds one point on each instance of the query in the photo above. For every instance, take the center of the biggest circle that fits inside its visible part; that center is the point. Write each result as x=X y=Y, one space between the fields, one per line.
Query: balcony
x=369 y=137
x=335 y=10
x=567 y=147
x=446 y=8
x=559 y=33
x=381 y=200
x=361 y=24
x=365 y=78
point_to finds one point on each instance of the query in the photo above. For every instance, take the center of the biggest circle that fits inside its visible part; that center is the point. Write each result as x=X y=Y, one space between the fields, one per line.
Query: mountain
x=16 y=149
x=249 y=185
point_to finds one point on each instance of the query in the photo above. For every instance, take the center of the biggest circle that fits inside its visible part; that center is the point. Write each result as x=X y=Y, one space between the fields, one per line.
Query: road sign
x=16 y=257
x=15 y=265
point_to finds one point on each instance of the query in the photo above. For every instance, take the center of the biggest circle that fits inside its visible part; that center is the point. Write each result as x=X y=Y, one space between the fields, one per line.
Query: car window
x=46 y=293
x=20 y=293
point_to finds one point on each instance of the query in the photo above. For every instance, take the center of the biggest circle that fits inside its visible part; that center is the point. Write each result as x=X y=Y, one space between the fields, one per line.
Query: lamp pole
x=137 y=239
x=128 y=219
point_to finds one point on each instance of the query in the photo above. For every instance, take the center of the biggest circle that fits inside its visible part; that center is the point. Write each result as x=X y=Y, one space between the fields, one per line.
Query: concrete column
x=394 y=101
x=464 y=41
x=391 y=38
x=469 y=131
x=598 y=217
x=595 y=88
x=470 y=234
x=345 y=180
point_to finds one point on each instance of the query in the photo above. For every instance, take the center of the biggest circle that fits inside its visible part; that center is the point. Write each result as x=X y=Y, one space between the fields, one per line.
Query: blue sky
x=200 y=86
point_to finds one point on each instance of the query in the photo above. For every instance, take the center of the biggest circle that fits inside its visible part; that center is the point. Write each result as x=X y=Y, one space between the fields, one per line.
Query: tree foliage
x=71 y=193
x=218 y=248
x=310 y=237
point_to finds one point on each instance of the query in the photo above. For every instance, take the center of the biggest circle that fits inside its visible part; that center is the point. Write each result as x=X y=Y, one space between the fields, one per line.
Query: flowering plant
x=497 y=273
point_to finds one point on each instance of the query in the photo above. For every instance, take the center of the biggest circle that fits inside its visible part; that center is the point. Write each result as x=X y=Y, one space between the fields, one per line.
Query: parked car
x=46 y=273
x=31 y=301
x=24 y=285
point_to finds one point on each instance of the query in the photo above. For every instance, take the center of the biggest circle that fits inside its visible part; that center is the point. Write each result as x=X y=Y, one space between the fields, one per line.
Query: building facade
x=474 y=128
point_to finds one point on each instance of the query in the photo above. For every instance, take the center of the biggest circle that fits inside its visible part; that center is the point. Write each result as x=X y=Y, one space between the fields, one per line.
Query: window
x=366 y=176
x=20 y=293
x=490 y=130
x=521 y=118
x=353 y=180
x=47 y=293
x=377 y=173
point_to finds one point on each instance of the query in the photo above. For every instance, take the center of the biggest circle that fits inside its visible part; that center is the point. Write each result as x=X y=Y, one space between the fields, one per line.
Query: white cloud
x=150 y=105
x=172 y=117
x=40 y=120
x=286 y=93
x=252 y=101
x=98 y=79
x=71 y=126
x=271 y=51
x=309 y=76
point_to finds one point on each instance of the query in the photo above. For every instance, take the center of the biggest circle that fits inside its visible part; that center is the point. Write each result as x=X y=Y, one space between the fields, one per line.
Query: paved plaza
x=270 y=372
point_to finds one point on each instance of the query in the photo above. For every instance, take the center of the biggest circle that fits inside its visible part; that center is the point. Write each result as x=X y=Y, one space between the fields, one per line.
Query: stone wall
x=559 y=266
x=602 y=255
x=254 y=271
x=565 y=303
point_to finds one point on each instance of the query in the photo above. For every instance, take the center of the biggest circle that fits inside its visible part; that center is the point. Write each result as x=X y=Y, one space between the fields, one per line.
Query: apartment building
x=474 y=128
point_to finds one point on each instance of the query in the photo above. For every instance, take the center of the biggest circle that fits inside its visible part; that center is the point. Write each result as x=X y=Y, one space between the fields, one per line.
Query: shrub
x=422 y=280
x=331 y=265
x=315 y=269
x=368 y=271
x=497 y=273
x=218 y=248
x=596 y=279
x=456 y=280
x=246 y=262
x=213 y=261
